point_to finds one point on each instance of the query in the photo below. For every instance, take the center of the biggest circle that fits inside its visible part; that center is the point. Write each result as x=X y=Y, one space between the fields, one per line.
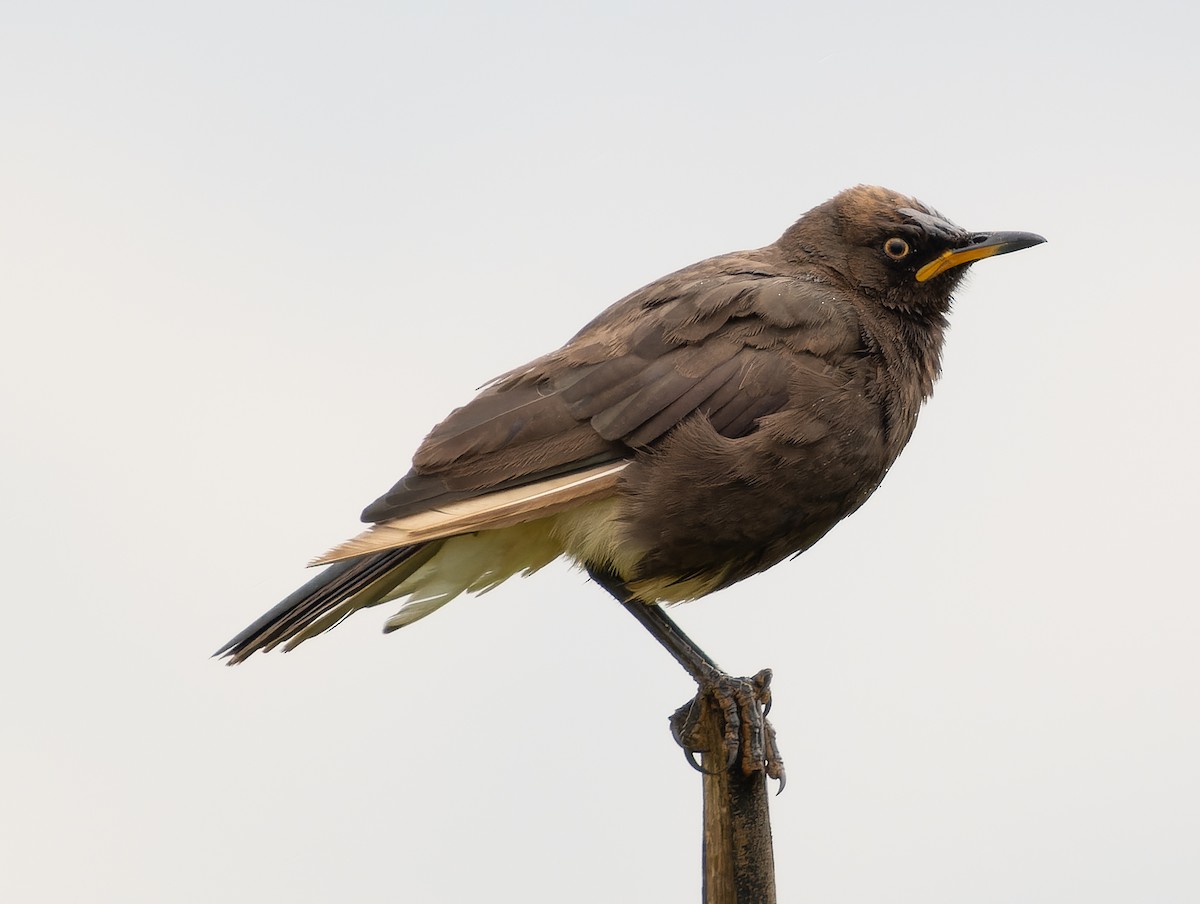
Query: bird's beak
x=987 y=244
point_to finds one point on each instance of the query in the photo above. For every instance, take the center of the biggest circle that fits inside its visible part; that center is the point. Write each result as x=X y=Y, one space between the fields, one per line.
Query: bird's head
x=898 y=251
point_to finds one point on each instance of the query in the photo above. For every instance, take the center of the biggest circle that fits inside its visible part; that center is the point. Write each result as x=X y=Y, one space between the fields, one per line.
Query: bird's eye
x=896 y=249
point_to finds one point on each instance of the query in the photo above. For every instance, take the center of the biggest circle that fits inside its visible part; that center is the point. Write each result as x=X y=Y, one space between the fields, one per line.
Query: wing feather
x=716 y=340
x=489 y=511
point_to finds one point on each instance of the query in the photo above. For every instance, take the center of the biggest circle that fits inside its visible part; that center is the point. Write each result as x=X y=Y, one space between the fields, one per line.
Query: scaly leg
x=744 y=702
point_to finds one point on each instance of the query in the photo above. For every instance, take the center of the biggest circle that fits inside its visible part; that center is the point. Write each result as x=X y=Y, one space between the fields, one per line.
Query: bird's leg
x=743 y=702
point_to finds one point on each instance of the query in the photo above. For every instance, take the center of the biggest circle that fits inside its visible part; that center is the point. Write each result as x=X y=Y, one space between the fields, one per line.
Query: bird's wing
x=558 y=432
x=732 y=344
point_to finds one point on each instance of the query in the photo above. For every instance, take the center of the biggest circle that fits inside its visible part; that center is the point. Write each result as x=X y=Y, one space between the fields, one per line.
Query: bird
x=699 y=431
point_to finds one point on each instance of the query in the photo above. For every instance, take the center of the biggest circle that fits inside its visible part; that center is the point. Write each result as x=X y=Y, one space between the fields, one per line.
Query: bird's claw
x=748 y=737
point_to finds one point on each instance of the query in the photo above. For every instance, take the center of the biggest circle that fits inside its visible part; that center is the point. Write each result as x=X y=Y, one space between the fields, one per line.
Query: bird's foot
x=748 y=738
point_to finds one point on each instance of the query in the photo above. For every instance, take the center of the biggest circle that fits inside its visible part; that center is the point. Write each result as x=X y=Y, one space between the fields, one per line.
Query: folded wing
x=723 y=340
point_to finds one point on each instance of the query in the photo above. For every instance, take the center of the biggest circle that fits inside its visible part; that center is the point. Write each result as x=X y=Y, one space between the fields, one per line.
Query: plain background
x=251 y=252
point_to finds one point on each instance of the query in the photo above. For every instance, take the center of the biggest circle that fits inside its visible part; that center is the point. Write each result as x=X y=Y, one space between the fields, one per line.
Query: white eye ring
x=896 y=248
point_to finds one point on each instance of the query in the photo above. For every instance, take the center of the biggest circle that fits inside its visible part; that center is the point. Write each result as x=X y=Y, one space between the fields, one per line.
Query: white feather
x=474 y=563
x=503 y=508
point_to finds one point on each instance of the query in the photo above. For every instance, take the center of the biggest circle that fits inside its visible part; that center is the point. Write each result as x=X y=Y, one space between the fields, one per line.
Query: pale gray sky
x=251 y=252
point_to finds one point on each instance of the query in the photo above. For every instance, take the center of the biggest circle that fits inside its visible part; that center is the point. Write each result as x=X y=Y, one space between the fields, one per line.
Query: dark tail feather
x=329 y=597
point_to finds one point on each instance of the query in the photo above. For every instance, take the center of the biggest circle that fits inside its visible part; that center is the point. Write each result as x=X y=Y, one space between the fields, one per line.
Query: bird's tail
x=429 y=558
x=328 y=598
x=425 y=575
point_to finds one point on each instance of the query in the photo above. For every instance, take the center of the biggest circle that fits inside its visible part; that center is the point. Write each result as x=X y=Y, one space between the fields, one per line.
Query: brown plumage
x=697 y=432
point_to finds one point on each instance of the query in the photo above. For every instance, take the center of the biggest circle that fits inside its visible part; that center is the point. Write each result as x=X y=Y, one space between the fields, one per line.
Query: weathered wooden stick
x=739 y=858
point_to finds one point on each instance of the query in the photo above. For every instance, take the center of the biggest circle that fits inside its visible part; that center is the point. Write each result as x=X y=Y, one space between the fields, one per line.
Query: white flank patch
x=473 y=563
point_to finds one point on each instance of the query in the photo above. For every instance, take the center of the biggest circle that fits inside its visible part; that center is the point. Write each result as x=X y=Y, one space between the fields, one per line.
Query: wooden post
x=739 y=858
